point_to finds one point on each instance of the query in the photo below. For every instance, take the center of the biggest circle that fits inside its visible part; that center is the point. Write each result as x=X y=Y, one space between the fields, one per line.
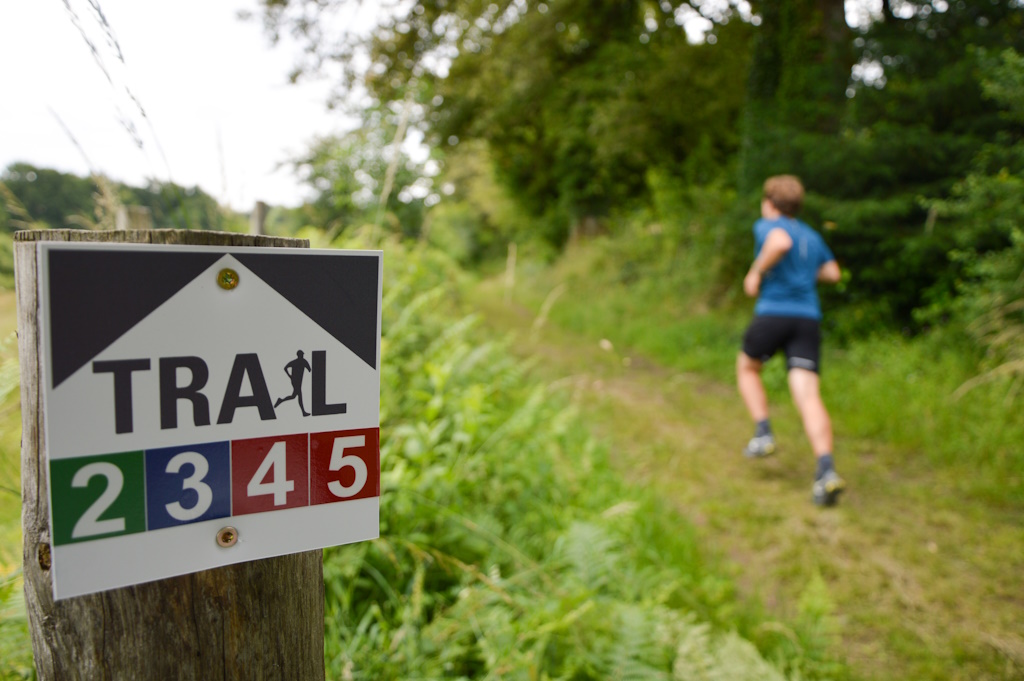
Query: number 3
x=339 y=461
x=195 y=482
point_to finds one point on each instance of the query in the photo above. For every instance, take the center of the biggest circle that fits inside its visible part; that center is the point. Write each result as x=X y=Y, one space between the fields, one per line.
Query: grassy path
x=920 y=584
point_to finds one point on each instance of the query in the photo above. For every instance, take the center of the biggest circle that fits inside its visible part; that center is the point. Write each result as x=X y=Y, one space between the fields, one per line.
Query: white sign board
x=206 y=406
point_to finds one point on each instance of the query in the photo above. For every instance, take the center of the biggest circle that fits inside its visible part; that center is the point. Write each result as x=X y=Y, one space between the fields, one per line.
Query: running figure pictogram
x=295 y=370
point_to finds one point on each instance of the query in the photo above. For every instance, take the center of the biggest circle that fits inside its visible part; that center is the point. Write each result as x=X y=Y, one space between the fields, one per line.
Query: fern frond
x=702 y=656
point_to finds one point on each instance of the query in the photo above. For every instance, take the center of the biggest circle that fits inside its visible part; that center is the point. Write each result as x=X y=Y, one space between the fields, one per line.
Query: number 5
x=339 y=461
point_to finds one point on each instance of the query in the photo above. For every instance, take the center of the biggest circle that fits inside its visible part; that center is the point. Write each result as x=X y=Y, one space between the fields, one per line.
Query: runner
x=295 y=370
x=790 y=260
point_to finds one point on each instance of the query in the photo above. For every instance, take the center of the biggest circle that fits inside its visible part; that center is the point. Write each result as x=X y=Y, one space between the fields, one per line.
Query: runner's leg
x=751 y=388
x=804 y=386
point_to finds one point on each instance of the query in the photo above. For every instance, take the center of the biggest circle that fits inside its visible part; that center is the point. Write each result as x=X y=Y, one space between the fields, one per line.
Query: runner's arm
x=776 y=245
x=829 y=273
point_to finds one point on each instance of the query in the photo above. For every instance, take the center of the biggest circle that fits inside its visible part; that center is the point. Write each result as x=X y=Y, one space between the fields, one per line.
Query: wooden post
x=133 y=217
x=258 y=219
x=257 y=620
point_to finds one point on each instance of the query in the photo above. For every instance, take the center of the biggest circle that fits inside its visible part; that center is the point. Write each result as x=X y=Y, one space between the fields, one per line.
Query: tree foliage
x=33 y=198
x=363 y=177
x=986 y=216
x=612 y=97
x=579 y=104
x=575 y=100
x=796 y=87
x=40 y=195
x=912 y=131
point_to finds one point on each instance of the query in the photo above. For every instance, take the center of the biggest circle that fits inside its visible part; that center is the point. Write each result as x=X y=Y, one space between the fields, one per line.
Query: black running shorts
x=798 y=336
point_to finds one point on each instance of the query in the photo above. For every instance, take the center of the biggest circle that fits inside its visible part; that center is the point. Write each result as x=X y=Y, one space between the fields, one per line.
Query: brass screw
x=227 y=278
x=227 y=536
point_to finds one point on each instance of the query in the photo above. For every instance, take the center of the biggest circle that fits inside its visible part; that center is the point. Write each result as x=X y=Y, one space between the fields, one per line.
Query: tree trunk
x=887 y=15
x=257 y=620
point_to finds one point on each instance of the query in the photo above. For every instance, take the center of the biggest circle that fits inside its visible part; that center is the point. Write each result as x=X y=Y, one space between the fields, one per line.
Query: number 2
x=90 y=524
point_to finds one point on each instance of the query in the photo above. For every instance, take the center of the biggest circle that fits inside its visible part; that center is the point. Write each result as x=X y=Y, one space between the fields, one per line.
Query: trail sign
x=206 y=406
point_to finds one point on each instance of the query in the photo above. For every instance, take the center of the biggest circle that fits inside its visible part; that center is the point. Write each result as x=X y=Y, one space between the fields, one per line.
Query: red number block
x=344 y=465
x=269 y=473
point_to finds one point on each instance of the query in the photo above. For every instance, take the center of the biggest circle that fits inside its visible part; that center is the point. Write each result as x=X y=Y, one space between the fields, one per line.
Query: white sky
x=214 y=91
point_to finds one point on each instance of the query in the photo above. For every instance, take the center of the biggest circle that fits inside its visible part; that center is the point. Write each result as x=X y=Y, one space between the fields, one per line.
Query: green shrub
x=452 y=228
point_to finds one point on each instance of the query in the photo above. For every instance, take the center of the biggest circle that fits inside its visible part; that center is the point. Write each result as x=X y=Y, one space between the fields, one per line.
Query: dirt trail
x=923 y=585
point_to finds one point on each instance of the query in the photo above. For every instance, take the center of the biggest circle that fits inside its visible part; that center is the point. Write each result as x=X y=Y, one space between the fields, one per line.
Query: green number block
x=97 y=496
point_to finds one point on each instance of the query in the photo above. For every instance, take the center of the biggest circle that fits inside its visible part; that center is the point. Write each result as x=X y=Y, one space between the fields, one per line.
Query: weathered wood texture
x=257 y=620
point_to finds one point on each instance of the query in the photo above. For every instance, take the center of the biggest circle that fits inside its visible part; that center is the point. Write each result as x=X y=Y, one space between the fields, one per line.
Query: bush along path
x=906 y=579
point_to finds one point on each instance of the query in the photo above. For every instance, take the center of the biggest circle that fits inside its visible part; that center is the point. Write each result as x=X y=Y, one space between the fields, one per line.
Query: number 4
x=275 y=464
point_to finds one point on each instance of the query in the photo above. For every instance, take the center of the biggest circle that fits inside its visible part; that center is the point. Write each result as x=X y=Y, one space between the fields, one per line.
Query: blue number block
x=188 y=484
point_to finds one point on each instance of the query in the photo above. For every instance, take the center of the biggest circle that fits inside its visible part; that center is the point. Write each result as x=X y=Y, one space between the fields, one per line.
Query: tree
x=351 y=172
x=986 y=214
x=176 y=207
x=46 y=196
x=40 y=197
x=916 y=122
x=612 y=92
x=579 y=102
x=796 y=87
x=576 y=100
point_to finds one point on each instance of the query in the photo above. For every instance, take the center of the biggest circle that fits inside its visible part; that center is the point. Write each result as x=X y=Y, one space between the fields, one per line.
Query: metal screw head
x=227 y=536
x=227 y=278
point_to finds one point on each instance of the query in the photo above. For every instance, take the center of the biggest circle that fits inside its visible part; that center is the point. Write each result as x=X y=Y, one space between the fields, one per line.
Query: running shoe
x=827 y=489
x=760 y=447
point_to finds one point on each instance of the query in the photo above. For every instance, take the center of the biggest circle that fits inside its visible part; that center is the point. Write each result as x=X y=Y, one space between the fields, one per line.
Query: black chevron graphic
x=338 y=293
x=96 y=296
